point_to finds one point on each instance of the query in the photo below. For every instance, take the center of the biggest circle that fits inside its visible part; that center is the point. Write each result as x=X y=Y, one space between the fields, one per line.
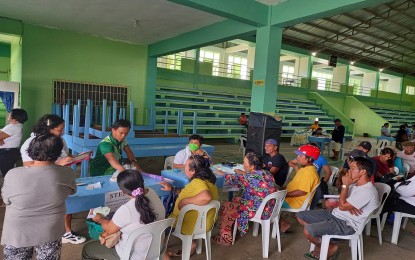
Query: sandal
x=176 y=252
x=218 y=240
x=310 y=255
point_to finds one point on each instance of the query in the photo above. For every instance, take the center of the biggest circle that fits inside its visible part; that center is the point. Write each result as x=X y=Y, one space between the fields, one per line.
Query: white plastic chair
x=158 y=243
x=242 y=144
x=306 y=204
x=397 y=224
x=356 y=241
x=406 y=169
x=382 y=143
x=169 y=163
x=383 y=193
x=279 y=197
x=334 y=174
x=348 y=148
x=287 y=180
x=199 y=231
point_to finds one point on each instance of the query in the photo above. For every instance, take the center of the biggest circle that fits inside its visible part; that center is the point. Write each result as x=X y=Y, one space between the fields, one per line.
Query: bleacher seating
x=395 y=117
x=217 y=113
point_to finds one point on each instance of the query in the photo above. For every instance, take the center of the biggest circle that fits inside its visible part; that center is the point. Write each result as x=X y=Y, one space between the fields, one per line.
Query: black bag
x=170 y=201
x=394 y=195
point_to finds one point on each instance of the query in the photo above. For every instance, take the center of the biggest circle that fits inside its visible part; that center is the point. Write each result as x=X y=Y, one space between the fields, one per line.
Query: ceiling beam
x=209 y=35
x=294 y=12
x=237 y=48
x=244 y=11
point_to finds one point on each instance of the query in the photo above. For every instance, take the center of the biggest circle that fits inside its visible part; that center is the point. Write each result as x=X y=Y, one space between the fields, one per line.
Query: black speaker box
x=333 y=61
x=261 y=127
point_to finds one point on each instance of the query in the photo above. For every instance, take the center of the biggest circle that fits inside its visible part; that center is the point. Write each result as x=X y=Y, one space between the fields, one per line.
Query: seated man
x=274 y=162
x=304 y=182
x=110 y=149
x=243 y=120
x=193 y=148
x=408 y=157
x=314 y=126
x=358 y=199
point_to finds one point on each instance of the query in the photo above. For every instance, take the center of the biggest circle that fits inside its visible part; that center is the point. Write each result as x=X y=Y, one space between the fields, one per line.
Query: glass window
x=237 y=67
x=410 y=90
x=324 y=80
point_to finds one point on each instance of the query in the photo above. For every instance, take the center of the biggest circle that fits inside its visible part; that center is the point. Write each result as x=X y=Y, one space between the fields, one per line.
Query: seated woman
x=199 y=191
x=255 y=184
x=144 y=207
x=35 y=202
x=385 y=168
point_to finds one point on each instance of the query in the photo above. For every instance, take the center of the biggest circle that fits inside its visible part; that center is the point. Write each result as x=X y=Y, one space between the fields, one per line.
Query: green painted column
x=196 y=69
x=346 y=83
x=309 y=71
x=265 y=81
x=377 y=86
x=151 y=83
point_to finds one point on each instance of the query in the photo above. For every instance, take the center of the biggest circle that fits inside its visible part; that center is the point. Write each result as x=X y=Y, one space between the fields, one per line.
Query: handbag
x=111 y=240
x=394 y=196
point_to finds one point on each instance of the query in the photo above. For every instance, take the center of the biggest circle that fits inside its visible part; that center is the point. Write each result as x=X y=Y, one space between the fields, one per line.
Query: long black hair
x=200 y=166
x=129 y=181
x=47 y=123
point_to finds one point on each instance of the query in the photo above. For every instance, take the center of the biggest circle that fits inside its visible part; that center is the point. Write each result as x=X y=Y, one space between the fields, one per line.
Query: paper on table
x=92 y=186
x=101 y=210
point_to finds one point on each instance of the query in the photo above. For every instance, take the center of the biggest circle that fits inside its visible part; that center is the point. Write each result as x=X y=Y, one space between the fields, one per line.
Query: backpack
x=169 y=201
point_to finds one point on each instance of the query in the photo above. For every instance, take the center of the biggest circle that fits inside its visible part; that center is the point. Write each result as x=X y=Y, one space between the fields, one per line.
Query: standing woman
x=35 y=203
x=53 y=124
x=10 y=139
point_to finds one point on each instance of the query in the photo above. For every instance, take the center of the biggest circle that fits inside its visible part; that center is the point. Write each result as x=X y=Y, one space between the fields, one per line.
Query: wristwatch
x=344 y=186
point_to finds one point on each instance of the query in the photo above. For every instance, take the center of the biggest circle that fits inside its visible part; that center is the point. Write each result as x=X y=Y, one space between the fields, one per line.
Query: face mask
x=193 y=147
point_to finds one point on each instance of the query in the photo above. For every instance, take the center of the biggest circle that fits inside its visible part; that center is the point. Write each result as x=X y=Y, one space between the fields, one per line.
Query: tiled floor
x=294 y=245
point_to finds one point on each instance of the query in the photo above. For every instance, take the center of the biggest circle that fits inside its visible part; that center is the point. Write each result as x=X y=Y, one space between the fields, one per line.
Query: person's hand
x=101 y=239
x=356 y=212
x=220 y=172
x=347 y=179
x=137 y=167
x=64 y=161
x=166 y=186
x=98 y=217
x=1 y=142
x=293 y=163
x=239 y=171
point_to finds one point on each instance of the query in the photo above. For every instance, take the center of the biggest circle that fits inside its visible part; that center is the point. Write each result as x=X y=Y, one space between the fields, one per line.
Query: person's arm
x=64 y=161
x=296 y=193
x=328 y=172
x=294 y=164
x=202 y=198
x=3 y=136
x=113 y=162
x=131 y=157
x=344 y=205
x=274 y=170
x=108 y=226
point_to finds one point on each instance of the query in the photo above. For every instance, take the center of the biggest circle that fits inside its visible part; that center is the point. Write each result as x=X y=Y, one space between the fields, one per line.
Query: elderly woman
x=144 y=207
x=255 y=184
x=35 y=202
x=200 y=191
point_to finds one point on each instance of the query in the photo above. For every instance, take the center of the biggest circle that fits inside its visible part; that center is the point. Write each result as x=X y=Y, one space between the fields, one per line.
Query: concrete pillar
x=267 y=53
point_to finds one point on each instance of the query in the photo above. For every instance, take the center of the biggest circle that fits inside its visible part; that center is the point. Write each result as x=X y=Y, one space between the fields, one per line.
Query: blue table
x=321 y=143
x=180 y=179
x=84 y=200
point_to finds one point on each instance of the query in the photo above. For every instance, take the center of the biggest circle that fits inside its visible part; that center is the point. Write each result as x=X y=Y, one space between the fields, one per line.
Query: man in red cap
x=304 y=181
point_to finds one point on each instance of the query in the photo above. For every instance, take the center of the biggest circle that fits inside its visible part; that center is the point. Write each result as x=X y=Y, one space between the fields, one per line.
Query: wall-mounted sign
x=259 y=82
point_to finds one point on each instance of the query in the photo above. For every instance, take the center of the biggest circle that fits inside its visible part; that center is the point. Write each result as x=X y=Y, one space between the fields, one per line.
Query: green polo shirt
x=100 y=165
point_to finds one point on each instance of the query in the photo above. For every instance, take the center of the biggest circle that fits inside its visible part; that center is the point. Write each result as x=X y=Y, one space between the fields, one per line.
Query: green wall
x=366 y=121
x=4 y=61
x=50 y=54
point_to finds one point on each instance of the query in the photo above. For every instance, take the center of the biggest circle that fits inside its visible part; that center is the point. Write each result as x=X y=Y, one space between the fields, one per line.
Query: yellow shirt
x=306 y=179
x=314 y=127
x=192 y=189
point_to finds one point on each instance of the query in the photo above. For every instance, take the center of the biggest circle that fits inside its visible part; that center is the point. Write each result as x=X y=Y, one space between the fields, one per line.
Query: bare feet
x=332 y=250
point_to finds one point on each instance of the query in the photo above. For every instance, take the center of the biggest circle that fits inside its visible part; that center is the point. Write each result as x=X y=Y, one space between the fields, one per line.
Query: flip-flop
x=176 y=252
x=309 y=255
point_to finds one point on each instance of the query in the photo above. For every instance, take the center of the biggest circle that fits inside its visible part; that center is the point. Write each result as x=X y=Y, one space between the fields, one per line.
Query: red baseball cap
x=308 y=150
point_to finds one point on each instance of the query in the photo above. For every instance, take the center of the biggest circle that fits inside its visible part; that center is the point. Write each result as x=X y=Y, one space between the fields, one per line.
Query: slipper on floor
x=174 y=253
x=309 y=255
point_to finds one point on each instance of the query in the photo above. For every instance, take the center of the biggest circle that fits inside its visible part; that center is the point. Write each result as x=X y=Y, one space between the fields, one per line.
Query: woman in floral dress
x=255 y=184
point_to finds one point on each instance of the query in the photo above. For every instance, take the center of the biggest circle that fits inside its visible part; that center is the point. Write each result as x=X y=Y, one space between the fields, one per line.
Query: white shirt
x=128 y=219
x=407 y=192
x=15 y=132
x=408 y=159
x=363 y=197
x=25 y=146
x=182 y=156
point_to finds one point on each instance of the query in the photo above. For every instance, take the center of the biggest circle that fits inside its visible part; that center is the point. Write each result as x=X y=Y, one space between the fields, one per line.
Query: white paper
x=101 y=210
x=93 y=186
x=115 y=199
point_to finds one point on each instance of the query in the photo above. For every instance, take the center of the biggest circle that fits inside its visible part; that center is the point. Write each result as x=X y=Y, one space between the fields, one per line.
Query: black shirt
x=279 y=161
x=338 y=134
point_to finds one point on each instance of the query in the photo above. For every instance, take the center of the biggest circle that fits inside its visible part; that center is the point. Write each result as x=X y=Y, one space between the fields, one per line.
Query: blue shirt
x=319 y=163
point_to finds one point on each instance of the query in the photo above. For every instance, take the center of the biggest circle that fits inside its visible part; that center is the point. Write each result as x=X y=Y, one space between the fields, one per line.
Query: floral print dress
x=255 y=187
